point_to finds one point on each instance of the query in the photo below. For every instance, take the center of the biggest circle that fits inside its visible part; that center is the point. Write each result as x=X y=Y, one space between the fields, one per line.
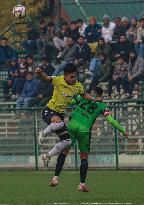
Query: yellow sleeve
x=55 y=80
x=81 y=89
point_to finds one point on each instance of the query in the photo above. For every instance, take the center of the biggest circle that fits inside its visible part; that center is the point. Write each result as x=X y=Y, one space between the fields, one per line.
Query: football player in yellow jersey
x=65 y=87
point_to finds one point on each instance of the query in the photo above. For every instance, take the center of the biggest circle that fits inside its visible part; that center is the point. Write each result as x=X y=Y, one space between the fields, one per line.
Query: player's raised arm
x=42 y=75
x=89 y=97
x=114 y=123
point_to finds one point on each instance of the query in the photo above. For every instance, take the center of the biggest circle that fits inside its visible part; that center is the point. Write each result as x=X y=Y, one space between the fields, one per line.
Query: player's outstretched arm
x=42 y=75
x=116 y=124
x=89 y=97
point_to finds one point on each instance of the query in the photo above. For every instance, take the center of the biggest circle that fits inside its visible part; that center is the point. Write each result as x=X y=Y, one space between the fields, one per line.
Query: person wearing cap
x=107 y=29
x=140 y=39
x=92 y=33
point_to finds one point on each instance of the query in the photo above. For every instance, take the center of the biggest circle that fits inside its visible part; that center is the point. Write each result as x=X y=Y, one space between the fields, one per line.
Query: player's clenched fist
x=38 y=70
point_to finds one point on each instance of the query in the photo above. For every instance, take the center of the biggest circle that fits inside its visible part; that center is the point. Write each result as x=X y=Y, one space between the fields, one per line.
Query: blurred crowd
x=112 y=52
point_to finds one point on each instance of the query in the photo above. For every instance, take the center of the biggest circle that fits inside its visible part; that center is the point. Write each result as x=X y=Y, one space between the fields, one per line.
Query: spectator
x=30 y=94
x=81 y=25
x=61 y=37
x=125 y=25
x=65 y=30
x=119 y=77
x=92 y=33
x=30 y=63
x=123 y=46
x=6 y=52
x=84 y=52
x=47 y=67
x=20 y=79
x=103 y=48
x=131 y=33
x=42 y=32
x=74 y=32
x=12 y=74
x=46 y=93
x=101 y=73
x=22 y=61
x=68 y=55
x=59 y=41
x=46 y=88
x=31 y=45
x=107 y=29
x=140 y=39
x=117 y=30
x=135 y=72
x=50 y=51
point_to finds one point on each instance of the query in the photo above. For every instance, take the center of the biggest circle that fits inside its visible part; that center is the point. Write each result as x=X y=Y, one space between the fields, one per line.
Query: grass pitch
x=106 y=187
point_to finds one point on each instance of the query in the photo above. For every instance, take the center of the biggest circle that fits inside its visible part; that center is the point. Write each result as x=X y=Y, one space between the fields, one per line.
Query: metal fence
x=109 y=149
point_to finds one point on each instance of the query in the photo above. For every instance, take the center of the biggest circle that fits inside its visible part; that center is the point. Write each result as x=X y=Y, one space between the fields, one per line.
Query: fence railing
x=109 y=149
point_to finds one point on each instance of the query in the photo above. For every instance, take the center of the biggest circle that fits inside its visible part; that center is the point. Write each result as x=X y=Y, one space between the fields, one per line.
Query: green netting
x=98 y=8
x=19 y=132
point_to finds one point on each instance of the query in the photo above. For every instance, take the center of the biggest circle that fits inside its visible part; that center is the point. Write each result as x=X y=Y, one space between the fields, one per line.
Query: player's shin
x=83 y=170
x=60 y=163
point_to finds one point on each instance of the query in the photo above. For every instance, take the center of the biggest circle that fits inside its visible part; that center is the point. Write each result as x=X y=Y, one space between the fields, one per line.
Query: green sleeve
x=115 y=124
x=76 y=100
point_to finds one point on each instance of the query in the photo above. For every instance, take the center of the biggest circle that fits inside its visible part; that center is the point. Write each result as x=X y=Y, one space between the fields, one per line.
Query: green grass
x=32 y=188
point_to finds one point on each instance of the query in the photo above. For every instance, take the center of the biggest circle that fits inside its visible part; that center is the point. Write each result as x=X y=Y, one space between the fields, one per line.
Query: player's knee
x=56 y=119
x=63 y=133
x=83 y=155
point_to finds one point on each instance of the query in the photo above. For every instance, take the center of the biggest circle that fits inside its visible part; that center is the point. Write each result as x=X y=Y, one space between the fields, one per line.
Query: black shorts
x=47 y=114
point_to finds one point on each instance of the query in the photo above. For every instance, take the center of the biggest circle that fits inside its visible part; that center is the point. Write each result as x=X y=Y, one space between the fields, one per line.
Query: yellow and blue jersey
x=63 y=94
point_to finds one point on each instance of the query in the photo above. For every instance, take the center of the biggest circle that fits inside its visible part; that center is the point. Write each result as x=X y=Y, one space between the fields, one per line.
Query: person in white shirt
x=107 y=29
x=81 y=25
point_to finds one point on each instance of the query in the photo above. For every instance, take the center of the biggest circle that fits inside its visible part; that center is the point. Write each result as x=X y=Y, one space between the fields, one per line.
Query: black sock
x=83 y=170
x=60 y=163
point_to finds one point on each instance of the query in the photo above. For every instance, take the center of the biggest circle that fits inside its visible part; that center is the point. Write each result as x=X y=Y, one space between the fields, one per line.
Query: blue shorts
x=47 y=114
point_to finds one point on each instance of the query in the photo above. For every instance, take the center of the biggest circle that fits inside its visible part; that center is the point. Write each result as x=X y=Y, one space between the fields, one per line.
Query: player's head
x=98 y=91
x=70 y=74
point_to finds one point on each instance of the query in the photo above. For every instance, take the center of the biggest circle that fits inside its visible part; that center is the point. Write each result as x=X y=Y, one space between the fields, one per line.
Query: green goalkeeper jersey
x=87 y=111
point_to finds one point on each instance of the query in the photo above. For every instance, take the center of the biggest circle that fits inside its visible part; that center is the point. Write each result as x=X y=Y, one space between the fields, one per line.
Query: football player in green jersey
x=79 y=127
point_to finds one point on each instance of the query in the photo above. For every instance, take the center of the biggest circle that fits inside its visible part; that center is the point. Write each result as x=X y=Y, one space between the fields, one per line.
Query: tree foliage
x=34 y=8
